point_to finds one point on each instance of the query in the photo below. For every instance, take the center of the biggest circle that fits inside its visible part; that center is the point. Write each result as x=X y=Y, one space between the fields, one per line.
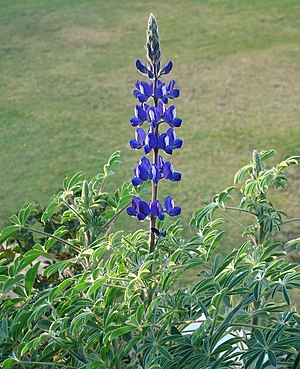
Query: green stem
x=239 y=224
x=239 y=210
x=233 y=220
x=52 y=236
x=291 y=220
x=74 y=210
x=112 y=219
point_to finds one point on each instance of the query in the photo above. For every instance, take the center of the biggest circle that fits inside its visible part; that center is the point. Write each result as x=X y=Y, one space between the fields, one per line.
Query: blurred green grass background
x=67 y=72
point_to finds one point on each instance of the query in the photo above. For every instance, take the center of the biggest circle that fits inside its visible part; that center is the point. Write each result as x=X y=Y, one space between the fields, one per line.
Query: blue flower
x=140 y=112
x=156 y=209
x=155 y=174
x=150 y=141
x=172 y=92
x=143 y=92
x=139 y=208
x=170 y=117
x=168 y=172
x=168 y=142
x=139 y=141
x=144 y=70
x=170 y=208
x=164 y=92
x=141 y=172
x=154 y=115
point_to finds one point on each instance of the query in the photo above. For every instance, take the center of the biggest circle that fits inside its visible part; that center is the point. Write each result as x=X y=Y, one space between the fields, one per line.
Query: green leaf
x=7 y=232
x=272 y=358
x=139 y=313
x=74 y=183
x=296 y=362
x=119 y=332
x=259 y=336
x=9 y=363
x=214 y=245
x=26 y=211
x=30 y=278
x=49 y=211
x=96 y=285
x=165 y=353
x=58 y=289
x=240 y=174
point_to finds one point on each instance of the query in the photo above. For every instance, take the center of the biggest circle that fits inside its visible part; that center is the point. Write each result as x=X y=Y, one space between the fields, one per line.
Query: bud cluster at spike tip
x=160 y=115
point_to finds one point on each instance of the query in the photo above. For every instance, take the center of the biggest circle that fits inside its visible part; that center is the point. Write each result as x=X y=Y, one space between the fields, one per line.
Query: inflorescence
x=150 y=139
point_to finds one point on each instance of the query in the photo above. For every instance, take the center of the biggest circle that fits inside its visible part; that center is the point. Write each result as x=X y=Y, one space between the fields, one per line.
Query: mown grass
x=67 y=71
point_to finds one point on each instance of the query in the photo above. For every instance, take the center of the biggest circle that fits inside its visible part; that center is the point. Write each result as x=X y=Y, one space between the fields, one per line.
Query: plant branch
x=239 y=210
x=291 y=220
x=52 y=236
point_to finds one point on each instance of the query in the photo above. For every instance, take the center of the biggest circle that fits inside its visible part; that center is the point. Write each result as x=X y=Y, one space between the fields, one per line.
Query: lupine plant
x=153 y=141
x=77 y=295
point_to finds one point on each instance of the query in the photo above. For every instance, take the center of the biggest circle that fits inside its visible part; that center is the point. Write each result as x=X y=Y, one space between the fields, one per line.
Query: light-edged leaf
x=30 y=277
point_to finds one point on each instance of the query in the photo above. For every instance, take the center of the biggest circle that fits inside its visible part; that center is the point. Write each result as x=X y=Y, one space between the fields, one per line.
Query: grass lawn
x=67 y=71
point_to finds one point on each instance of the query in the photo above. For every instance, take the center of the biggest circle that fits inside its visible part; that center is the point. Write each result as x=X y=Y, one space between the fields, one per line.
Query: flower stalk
x=153 y=140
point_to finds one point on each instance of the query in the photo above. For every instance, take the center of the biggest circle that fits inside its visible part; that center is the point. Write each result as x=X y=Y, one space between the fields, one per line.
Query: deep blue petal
x=169 y=204
x=142 y=173
x=167 y=170
x=145 y=162
x=147 y=149
x=170 y=114
x=135 y=144
x=152 y=140
x=146 y=88
x=175 y=211
x=161 y=141
x=167 y=68
x=176 y=176
x=177 y=143
x=161 y=217
x=135 y=201
x=160 y=163
x=168 y=150
x=136 y=181
x=155 y=174
x=174 y=94
x=136 y=93
x=141 y=67
x=154 y=209
x=170 y=136
x=164 y=99
x=140 y=112
x=175 y=122
x=144 y=208
x=142 y=98
x=131 y=211
x=140 y=135
x=135 y=121
x=141 y=216
x=158 y=93
x=171 y=85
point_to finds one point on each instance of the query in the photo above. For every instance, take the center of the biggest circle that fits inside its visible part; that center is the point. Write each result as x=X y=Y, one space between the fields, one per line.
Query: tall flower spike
x=154 y=111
